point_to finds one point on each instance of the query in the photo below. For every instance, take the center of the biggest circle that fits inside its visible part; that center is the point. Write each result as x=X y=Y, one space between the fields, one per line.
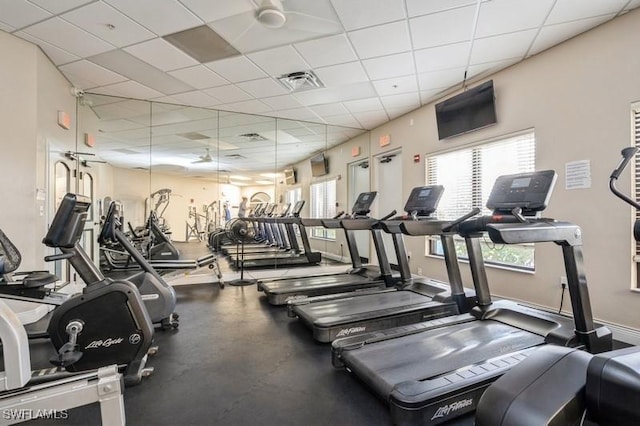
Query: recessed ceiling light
x=237 y=183
x=270 y=175
x=238 y=177
x=264 y=182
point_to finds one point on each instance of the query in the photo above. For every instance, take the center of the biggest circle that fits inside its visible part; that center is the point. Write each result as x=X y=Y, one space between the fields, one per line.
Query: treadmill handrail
x=562 y=233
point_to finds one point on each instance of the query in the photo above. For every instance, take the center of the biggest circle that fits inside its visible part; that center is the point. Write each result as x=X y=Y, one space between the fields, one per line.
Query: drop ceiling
x=377 y=59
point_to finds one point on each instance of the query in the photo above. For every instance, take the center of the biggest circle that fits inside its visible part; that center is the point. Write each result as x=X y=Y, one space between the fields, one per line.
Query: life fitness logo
x=134 y=339
x=445 y=410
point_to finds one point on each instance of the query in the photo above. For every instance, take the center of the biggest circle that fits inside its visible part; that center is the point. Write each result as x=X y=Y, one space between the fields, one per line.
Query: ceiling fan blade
x=313 y=24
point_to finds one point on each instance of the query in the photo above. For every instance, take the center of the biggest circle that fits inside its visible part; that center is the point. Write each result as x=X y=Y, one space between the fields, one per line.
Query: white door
x=359 y=183
x=60 y=184
x=387 y=172
x=86 y=187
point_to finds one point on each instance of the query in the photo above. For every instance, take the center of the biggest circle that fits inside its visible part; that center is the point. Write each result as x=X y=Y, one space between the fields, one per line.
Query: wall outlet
x=409 y=254
x=563 y=281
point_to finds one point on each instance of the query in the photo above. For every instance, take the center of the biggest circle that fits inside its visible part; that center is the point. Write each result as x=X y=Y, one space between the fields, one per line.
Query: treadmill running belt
x=313 y=282
x=421 y=356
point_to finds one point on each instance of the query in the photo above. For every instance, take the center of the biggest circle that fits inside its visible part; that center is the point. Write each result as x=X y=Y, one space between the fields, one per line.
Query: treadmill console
x=423 y=200
x=285 y=209
x=362 y=206
x=297 y=208
x=270 y=209
x=112 y=221
x=528 y=191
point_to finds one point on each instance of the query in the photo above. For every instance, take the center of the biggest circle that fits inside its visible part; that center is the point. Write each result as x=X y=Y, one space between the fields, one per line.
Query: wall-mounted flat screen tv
x=467 y=111
x=319 y=165
x=290 y=176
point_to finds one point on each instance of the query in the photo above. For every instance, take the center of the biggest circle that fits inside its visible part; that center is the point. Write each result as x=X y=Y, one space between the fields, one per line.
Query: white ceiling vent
x=300 y=80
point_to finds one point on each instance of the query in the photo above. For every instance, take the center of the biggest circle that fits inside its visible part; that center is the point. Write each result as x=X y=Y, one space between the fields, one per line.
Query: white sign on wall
x=578 y=174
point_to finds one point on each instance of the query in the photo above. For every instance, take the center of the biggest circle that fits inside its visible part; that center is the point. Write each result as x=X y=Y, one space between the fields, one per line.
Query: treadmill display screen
x=520 y=183
x=424 y=193
x=424 y=200
x=362 y=206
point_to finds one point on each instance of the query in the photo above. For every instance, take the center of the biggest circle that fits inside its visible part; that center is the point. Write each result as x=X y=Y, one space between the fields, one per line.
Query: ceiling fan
x=206 y=158
x=276 y=22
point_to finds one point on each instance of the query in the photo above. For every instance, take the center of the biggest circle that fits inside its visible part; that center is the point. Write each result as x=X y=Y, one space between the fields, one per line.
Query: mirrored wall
x=192 y=167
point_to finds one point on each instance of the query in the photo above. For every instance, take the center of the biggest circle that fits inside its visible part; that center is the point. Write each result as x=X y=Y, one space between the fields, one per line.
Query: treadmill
x=417 y=299
x=295 y=257
x=435 y=371
x=280 y=243
x=358 y=278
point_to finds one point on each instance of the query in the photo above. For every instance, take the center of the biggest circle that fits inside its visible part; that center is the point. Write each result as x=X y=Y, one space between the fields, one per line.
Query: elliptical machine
x=105 y=324
x=568 y=386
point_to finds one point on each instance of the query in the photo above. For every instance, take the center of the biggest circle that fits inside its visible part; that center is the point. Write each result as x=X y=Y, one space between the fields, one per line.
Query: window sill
x=493 y=266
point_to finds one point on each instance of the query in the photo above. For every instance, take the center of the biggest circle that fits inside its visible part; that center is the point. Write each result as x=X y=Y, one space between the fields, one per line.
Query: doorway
x=387 y=178
x=359 y=182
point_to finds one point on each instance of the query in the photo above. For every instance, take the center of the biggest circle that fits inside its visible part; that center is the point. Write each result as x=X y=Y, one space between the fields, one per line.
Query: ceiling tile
x=197 y=98
x=123 y=63
x=440 y=79
x=58 y=56
x=422 y=7
x=505 y=46
x=342 y=120
x=6 y=27
x=403 y=100
x=342 y=74
x=281 y=102
x=68 y=37
x=437 y=29
x=394 y=86
x=442 y=57
x=632 y=5
x=355 y=14
x=161 y=54
x=571 y=10
x=297 y=114
x=390 y=66
x=263 y=88
x=236 y=69
x=398 y=112
x=229 y=93
x=92 y=73
x=505 y=16
x=428 y=96
x=551 y=35
x=364 y=105
x=95 y=19
x=329 y=109
x=327 y=51
x=381 y=40
x=59 y=6
x=19 y=14
x=489 y=67
x=199 y=77
x=212 y=10
x=371 y=119
x=279 y=60
x=160 y=16
x=129 y=89
x=249 y=107
x=336 y=94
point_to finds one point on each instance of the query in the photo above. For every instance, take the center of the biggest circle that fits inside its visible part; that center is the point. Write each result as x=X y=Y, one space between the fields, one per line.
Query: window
x=293 y=196
x=323 y=204
x=468 y=176
x=635 y=135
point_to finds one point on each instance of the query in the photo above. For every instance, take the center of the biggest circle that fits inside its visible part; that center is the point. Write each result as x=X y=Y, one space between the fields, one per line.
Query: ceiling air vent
x=194 y=136
x=300 y=80
x=253 y=137
x=235 y=157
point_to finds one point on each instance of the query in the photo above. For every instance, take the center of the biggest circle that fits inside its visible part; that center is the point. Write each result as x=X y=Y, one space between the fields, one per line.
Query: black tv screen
x=319 y=166
x=290 y=176
x=467 y=111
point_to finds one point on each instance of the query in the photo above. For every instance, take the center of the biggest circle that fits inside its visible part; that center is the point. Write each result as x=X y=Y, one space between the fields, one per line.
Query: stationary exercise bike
x=105 y=324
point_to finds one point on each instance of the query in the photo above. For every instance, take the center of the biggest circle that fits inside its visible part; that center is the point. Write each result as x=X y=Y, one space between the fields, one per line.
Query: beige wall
x=32 y=92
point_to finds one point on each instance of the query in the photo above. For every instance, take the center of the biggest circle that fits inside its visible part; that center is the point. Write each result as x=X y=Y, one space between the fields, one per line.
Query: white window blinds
x=323 y=204
x=468 y=174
